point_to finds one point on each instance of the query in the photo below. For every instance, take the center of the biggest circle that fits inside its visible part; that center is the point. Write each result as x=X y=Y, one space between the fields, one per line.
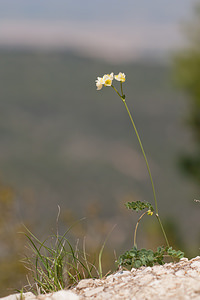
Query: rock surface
x=60 y=295
x=179 y=281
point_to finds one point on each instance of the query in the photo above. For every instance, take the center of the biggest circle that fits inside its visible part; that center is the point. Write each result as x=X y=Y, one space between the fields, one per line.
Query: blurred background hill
x=64 y=143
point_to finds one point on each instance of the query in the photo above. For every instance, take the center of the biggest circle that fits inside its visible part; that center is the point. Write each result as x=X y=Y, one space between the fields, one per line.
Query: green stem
x=145 y=158
x=165 y=236
x=149 y=171
x=146 y=161
x=135 y=232
x=121 y=88
x=117 y=92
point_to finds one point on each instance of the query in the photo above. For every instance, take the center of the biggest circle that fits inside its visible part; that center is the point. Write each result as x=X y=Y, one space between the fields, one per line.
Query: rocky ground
x=171 y=281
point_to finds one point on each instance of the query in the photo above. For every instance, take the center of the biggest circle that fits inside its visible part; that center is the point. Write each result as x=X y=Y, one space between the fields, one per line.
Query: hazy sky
x=112 y=29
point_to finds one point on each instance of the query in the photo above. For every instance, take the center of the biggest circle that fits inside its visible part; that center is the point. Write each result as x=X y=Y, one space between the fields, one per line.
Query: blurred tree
x=187 y=75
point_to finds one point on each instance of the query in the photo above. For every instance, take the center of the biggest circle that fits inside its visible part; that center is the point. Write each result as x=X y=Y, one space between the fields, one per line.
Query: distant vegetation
x=61 y=144
x=187 y=71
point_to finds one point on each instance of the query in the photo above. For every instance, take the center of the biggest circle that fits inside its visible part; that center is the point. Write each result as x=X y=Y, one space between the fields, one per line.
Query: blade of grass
x=101 y=252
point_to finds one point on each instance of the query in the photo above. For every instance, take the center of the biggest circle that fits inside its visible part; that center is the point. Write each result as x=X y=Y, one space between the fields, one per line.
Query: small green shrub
x=143 y=257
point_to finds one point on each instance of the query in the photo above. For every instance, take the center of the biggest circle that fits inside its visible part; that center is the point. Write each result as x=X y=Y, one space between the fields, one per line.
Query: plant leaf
x=138 y=205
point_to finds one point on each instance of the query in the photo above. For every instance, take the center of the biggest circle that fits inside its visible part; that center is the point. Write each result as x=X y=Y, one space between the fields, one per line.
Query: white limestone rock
x=60 y=295
x=20 y=296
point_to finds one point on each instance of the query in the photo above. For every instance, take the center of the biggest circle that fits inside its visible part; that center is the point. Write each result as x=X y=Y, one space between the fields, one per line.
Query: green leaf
x=176 y=254
x=137 y=264
x=143 y=257
x=138 y=205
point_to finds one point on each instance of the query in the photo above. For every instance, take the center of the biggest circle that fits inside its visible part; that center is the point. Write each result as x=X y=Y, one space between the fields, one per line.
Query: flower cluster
x=107 y=79
x=150 y=212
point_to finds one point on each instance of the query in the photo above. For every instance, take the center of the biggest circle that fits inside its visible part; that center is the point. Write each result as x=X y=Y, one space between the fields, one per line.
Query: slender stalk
x=117 y=92
x=101 y=252
x=135 y=232
x=121 y=88
x=145 y=158
x=166 y=239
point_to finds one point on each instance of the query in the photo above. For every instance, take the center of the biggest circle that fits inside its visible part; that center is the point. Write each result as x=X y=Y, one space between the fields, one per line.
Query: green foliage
x=138 y=258
x=143 y=257
x=57 y=266
x=138 y=205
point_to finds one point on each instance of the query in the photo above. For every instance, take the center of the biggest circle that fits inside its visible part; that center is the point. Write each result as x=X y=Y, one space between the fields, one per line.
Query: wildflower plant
x=135 y=257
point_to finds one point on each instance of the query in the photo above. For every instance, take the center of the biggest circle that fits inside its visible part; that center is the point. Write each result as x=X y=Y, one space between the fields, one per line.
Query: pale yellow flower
x=108 y=78
x=120 y=77
x=149 y=212
x=99 y=83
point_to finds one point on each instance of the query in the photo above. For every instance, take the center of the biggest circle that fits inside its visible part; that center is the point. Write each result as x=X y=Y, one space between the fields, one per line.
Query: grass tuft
x=55 y=264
